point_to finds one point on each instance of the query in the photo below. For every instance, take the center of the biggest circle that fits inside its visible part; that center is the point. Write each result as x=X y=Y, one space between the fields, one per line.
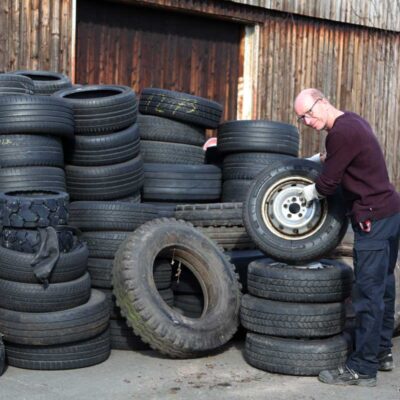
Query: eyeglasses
x=308 y=112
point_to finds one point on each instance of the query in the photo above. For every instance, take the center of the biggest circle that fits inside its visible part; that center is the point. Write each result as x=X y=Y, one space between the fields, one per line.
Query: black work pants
x=375 y=256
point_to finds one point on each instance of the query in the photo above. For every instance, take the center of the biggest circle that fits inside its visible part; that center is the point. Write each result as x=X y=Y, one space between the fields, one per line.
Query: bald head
x=308 y=95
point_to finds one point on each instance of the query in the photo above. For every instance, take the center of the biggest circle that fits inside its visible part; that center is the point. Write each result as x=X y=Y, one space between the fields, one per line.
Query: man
x=355 y=161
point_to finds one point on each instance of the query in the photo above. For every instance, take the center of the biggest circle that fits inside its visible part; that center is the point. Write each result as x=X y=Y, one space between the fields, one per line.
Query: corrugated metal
x=142 y=47
x=381 y=14
x=356 y=68
x=35 y=34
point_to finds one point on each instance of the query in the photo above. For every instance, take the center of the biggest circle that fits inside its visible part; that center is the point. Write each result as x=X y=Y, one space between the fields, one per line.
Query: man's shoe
x=346 y=376
x=385 y=359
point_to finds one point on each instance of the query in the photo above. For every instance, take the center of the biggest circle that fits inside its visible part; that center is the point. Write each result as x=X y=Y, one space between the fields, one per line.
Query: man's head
x=314 y=110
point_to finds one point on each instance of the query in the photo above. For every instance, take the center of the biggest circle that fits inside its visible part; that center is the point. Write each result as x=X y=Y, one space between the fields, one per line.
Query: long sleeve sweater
x=355 y=160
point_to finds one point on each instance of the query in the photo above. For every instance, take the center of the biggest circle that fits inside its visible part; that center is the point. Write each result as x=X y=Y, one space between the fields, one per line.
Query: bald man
x=355 y=161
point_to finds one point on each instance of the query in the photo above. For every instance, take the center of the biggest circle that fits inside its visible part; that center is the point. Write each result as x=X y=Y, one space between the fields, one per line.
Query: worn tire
x=15 y=84
x=258 y=136
x=310 y=232
x=285 y=319
x=154 y=321
x=180 y=106
x=167 y=130
x=122 y=337
x=56 y=327
x=33 y=297
x=16 y=266
x=36 y=114
x=103 y=244
x=80 y=354
x=107 y=149
x=295 y=356
x=33 y=209
x=105 y=182
x=229 y=238
x=101 y=108
x=31 y=150
x=235 y=190
x=46 y=82
x=323 y=282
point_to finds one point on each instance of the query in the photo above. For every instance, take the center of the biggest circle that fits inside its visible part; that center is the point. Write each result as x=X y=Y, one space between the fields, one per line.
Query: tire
x=100 y=272
x=260 y=136
x=229 y=238
x=213 y=214
x=46 y=82
x=191 y=304
x=321 y=282
x=162 y=274
x=295 y=356
x=101 y=108
x=235 y=191
x=105 y=182
x=103 y=244
x=35 y=298
x=33 y=209
x=15 y=84
x=156 y=323
x=32 y=178
x=30 y=150
x=36 y=114
x=171 y=153
x=248 y=165
x=29 y=240
x=180 y=106
x=133 y=198
x=108 y=149
x=57 y=327
x=108 y=216
x=122 y=337
x=167 y=130
x=310 y=232
x=2 y=357
x=284 y=319
x=16 y=266
x=171 y=182
x=59 y=357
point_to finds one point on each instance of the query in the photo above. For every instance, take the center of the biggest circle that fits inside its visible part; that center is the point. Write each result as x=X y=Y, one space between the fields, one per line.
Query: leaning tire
x=157 y=324
x=295 y=356
x=281 y=225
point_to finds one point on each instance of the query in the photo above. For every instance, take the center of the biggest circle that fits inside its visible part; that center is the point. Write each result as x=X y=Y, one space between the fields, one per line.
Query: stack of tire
x=49 y=316
x=103 y=160
x=105 y=225
x=172 y=129
x=250 y=146
x=31 y=129
x=295 y=316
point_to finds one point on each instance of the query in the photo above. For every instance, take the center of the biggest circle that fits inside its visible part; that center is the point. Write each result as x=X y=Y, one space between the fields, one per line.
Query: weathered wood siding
x=35 y=34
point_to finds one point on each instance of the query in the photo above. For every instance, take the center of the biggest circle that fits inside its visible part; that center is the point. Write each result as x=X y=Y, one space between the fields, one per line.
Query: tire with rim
x=180 y=106
x=319 y=282
x=302 y=357
x=281 y=225
x=46 y=82
x=101 y=108
x=156 y=323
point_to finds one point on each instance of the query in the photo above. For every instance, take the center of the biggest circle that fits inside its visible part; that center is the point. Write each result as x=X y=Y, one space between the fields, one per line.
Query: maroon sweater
x=355 y=160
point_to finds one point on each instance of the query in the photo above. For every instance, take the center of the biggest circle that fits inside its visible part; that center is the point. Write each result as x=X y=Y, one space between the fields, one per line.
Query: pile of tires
x=250 y=146
x=295 y=316
x=103 y=159
x=172 y=129
x=49 y=316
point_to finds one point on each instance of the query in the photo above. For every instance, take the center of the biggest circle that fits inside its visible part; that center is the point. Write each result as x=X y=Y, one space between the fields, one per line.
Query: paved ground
x=145 y=375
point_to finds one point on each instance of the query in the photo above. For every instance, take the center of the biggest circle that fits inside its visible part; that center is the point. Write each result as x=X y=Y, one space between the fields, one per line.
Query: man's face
x=311 y=112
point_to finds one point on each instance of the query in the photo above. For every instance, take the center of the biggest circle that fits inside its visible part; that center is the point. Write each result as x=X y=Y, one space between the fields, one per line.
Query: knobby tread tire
x=180 y=106
x=35 y=298
x=278 y=281
x=56 y=327
x=287 y=319
x=167 y=130
x=80 y=354
x=294 y=356
x=154 y=321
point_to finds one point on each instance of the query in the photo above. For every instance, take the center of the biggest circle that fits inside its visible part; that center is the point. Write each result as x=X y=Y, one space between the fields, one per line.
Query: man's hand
x=318 y=157
x=309 y=193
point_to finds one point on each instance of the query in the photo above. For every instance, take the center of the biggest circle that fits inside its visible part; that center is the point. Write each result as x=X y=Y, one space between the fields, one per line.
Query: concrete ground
x=145 y=375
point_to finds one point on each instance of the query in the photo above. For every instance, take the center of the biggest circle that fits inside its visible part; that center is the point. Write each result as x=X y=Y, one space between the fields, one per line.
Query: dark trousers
x=374 y=292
